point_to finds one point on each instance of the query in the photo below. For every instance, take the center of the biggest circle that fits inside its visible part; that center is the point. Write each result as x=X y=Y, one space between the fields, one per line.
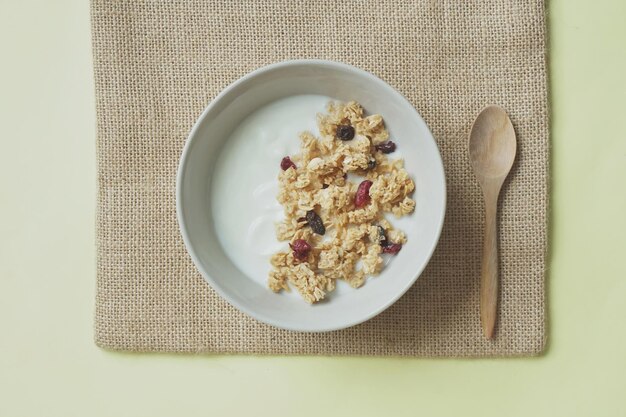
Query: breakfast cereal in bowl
x=335 y=194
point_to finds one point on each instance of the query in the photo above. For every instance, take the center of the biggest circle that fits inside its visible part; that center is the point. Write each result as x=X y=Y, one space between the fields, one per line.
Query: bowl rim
x=184 y=229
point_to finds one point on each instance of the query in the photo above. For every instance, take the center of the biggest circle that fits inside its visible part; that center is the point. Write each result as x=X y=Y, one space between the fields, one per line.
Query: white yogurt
x=244 y=187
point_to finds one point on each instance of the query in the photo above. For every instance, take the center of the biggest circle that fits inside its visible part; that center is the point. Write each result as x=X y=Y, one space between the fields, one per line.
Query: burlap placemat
x=158 y=64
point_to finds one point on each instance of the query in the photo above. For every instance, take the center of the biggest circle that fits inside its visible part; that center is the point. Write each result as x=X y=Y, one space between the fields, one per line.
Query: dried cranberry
x=345 y=132
x=363 y=194
x=392 y=248
x=301 y=249
x=315 y=222
x=386 y=147
x=287 y=163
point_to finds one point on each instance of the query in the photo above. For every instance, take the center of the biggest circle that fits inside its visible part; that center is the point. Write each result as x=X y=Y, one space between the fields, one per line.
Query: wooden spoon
x=492 y=150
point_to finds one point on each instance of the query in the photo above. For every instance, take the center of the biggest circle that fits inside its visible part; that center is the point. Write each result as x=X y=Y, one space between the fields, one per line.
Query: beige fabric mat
x=158 y=64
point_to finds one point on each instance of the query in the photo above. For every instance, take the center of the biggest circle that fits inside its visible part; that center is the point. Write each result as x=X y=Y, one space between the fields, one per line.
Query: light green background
x=49 y=365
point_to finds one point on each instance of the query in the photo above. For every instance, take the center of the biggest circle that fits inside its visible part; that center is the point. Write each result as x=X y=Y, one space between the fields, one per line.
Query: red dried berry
x=301 y=249
x=386 y=147
x=287 y=163
x=392 y=248
x=362 y=197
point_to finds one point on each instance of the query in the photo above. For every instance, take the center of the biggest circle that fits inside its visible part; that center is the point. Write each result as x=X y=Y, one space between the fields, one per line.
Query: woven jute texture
x=159 y=63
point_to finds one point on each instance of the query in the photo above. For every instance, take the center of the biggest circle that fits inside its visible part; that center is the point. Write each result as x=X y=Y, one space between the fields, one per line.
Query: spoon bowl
x=492 y=144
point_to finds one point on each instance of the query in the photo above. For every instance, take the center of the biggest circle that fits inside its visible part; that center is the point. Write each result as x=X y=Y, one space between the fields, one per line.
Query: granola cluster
x=331 y=221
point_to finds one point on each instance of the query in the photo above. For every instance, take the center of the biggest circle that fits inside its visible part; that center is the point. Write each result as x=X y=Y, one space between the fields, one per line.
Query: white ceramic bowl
x=346 y=306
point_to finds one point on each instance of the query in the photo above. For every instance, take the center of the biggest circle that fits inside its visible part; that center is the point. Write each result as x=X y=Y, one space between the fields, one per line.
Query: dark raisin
x=362 y=196
x=386 y=147
x=382 y=237
x=392 y=248
x=371 y=164
x=345 y=132
x=324 y=186
x=315 y=222
x=287 y=163
x=301 y=249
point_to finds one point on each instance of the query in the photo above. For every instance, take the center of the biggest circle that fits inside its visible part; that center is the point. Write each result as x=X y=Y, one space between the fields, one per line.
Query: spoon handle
x=489 y=275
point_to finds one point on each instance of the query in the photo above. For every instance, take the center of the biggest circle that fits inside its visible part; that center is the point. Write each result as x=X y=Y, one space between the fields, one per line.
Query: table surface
x=49 y=365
